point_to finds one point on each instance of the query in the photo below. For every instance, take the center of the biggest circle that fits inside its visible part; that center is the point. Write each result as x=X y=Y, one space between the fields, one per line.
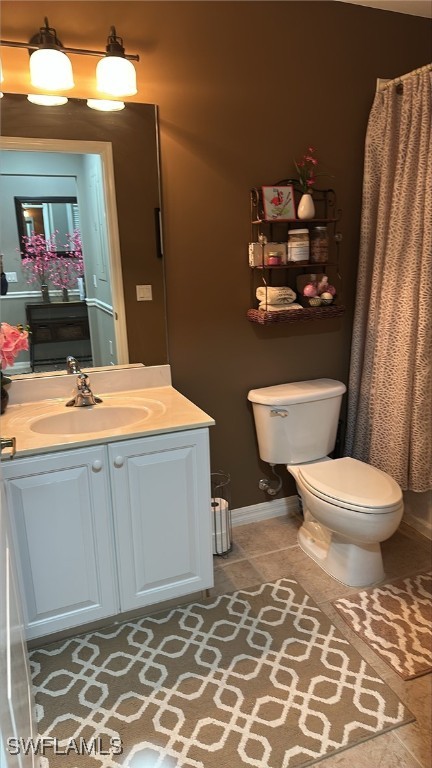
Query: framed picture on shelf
x=278 y=203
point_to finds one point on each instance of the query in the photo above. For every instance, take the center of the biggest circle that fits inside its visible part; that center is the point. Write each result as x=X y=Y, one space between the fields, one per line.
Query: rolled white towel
x=278 y=307
x=275 y=295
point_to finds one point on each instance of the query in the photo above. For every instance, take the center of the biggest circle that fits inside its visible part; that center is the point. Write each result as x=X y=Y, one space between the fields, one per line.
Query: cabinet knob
x=118 y=461
x=97 y=465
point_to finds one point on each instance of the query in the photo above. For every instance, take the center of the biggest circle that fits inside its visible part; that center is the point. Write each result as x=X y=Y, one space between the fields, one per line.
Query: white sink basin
x=96 y=418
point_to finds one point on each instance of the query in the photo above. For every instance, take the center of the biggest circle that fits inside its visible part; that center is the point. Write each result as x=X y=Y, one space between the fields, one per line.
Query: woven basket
x=294 y=315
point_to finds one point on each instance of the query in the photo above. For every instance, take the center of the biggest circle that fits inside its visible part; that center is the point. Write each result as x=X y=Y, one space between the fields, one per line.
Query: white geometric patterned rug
x=259 y=677
x=395 y=619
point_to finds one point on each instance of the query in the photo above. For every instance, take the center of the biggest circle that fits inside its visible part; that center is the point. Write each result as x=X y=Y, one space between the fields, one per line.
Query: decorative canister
x=319 y=245
x=273 y=259
x=274 y=254
x=298 y=245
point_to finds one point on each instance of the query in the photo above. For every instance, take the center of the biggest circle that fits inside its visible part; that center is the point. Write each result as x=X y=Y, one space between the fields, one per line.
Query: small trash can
x=221 y=513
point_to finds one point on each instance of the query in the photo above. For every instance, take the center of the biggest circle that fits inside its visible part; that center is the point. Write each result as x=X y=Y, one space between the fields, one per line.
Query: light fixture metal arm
x=78 y=51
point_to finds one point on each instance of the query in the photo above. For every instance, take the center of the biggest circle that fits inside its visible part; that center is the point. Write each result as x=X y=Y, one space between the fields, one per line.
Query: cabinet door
x=161 y=498
x=62 y=529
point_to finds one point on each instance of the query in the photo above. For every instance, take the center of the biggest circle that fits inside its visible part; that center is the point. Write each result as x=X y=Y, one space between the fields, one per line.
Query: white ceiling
x=413 y=7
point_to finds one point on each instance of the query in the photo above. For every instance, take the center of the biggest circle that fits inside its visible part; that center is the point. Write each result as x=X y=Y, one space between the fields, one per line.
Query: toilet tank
x=297 y=422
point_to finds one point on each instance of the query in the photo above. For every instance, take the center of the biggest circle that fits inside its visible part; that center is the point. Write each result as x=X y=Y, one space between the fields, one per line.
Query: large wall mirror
x=68 y=169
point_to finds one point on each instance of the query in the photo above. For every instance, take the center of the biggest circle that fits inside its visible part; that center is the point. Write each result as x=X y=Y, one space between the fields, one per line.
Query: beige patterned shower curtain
x=389 y=421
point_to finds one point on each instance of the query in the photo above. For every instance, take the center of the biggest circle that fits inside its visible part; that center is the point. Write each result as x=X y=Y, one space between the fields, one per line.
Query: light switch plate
x=11 y=277
x=144 y=293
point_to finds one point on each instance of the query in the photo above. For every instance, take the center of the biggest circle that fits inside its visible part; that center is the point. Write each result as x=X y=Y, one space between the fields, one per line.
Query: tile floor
x=267 y=550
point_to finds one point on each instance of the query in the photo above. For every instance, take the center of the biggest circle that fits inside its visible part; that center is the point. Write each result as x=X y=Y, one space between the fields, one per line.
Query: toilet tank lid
x=297 y=392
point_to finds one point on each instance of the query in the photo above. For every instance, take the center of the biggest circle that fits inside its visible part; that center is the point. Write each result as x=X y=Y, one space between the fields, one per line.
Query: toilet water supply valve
x=266 y=485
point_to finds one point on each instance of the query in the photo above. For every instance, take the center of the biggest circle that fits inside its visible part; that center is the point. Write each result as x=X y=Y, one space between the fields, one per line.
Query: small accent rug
x=395 y=619
x=259 y=677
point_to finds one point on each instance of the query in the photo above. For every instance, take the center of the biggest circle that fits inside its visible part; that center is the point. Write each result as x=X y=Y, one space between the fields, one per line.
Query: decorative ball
x=315 y=301
x=309 y=290
x=326 y=297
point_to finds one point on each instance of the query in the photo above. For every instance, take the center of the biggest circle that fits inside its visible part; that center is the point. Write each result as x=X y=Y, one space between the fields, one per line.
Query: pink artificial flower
x=42 y=264
x=13 y=339
x=306 y=169
x=66 y=269
x=39 y=253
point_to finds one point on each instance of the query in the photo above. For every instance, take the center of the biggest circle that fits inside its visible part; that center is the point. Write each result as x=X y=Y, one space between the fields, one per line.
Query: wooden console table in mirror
x=56 y=330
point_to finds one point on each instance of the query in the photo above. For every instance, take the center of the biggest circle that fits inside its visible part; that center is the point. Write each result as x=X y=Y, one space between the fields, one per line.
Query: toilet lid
x=353 y=484
x=297 y=392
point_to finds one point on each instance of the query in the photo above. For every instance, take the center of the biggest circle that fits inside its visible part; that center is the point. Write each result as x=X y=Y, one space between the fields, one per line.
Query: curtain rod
x=383 y=83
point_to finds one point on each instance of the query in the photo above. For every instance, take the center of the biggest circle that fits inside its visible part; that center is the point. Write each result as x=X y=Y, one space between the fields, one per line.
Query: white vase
x=306 y=208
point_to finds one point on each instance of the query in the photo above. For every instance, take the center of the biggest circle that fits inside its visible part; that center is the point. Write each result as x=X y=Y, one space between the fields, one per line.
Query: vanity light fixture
x=51 y=69
x=105 y=105
x=45 y=100
x=114 y=73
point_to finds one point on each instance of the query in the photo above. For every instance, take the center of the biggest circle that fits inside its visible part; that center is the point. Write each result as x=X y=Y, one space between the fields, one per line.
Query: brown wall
x=243 y=88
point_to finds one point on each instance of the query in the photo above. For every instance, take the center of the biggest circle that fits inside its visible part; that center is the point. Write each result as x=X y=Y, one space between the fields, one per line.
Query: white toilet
x=349 y=507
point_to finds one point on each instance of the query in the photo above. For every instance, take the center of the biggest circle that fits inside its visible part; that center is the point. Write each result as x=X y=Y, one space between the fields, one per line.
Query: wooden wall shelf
x=276 y=232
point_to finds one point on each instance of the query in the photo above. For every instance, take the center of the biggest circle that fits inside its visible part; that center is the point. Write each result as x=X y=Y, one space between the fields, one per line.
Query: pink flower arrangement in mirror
x=39 y=255
x=42 y=263
x=70 y=266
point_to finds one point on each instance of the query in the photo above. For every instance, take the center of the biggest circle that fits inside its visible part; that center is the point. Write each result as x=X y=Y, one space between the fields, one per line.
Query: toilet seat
x=352 y=484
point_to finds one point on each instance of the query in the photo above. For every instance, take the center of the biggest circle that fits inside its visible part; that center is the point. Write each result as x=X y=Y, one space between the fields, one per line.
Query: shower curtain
x=389 y=423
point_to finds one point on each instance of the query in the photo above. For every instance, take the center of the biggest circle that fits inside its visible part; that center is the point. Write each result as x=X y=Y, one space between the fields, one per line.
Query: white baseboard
x=422 y=526
x=276 y=508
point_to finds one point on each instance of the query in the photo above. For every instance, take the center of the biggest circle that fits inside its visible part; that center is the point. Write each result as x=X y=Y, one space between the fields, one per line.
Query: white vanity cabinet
x=62 y=529
x=161 y=502
x=110 y=528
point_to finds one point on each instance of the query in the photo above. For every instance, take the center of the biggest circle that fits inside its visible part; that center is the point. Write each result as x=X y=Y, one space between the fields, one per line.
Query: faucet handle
x=8 y=442
x=82 y=380
x=72 y=365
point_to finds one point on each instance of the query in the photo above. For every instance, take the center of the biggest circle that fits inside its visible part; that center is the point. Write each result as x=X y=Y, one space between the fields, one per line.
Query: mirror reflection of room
x=55 y=253
x=131 y=195
x=48 y=217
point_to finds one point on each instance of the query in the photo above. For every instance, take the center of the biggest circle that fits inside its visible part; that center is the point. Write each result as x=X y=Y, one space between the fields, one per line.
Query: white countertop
x=164 y=409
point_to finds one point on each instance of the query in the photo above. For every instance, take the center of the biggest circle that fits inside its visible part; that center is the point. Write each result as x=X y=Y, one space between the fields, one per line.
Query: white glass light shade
x=51 y=70
x=105 y=105
x=44 y=100
x=116 y=75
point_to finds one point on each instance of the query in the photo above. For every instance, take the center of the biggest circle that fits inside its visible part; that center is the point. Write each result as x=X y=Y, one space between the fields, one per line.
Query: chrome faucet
x=83 y=396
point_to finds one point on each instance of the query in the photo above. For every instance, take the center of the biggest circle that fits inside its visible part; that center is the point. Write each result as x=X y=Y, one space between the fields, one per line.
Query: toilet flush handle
x=279 y=412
